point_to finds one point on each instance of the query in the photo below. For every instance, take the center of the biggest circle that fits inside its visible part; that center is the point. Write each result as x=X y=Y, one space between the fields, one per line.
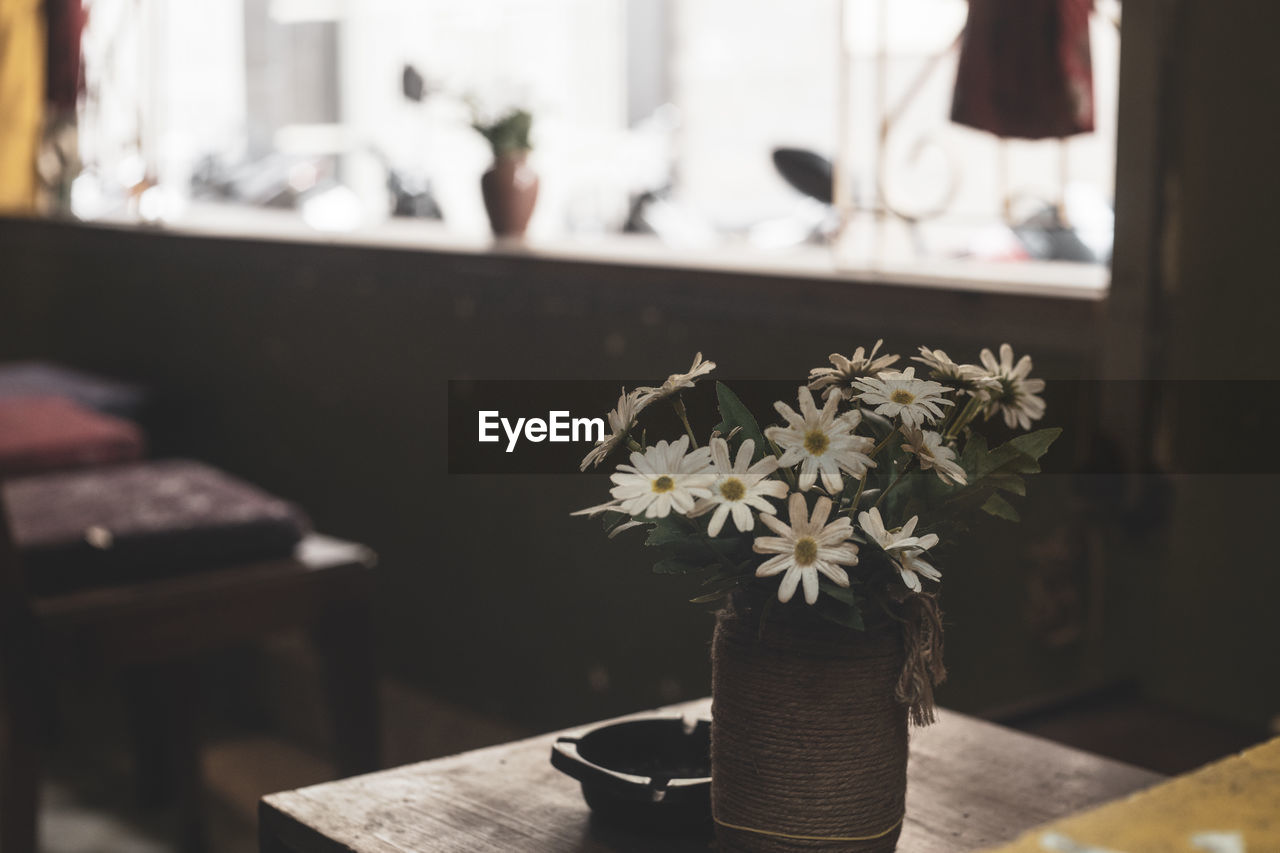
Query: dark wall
x=320 y=372
x=1217 y=636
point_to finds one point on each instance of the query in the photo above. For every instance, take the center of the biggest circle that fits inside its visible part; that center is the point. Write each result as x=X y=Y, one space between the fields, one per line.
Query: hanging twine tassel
x=923 y=668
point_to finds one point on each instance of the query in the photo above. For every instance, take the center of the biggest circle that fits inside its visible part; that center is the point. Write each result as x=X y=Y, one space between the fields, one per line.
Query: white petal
x=821 y=510
x=807 y=408
x=787 y=588
x=772 y=489
x=871 y=523
x=775 y=565
x=682 y=501
x=597 y=509
x=776 y=525
x=837 y=575
x=796 y=509
x=773 y=544
x=789 y=415
x=909 y=578
x=717 y=520
x=720 y=454
x=809 y=574
x=847 y=554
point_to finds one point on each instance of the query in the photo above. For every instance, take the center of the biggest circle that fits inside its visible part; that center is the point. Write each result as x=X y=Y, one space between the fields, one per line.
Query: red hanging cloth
x=1025 y=69
x=64 y=73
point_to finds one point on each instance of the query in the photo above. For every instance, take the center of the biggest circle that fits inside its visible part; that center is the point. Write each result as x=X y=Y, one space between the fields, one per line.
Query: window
x=650 y=115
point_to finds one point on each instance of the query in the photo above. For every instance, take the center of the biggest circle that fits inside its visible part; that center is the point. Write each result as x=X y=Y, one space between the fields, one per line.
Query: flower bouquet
x=817 y=535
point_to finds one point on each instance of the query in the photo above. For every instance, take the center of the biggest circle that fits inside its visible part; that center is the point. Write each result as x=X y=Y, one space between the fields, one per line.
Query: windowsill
x=1049 y=279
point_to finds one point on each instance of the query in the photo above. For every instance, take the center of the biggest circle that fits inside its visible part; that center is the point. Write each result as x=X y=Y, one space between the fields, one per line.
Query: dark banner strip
x=546 y=427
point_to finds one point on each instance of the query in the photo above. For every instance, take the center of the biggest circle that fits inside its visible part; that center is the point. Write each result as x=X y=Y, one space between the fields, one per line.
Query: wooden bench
x=147 y=632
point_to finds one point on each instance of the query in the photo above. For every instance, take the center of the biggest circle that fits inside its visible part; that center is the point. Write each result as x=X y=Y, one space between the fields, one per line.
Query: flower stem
x=896 y=480
x=857 y=496
x=962 y=419
x=634 y=445
x=678 y=405
x=875 y=450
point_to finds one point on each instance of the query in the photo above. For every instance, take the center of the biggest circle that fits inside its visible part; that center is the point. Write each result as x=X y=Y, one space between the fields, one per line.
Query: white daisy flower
x=1016 y=397
x=902 y=395
x=822 y=442
x=844 y=371
x=806 y=548
x=933 y=454
x=739 y=487
x=966 y=378
x=621 y=420
x=677 y=381
x=903 y=548
x=663 y=478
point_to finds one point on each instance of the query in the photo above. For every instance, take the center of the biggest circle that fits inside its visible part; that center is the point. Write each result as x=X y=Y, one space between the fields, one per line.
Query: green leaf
x=1035 y=444
x=975 y=450
x=734 y=415
x=1011 y=483
x=840 y=605
x=1000 y=508
x=839 y=593
x=666 y=531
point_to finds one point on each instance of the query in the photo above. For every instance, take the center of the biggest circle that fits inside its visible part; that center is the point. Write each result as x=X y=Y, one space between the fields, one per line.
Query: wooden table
x=971 y=784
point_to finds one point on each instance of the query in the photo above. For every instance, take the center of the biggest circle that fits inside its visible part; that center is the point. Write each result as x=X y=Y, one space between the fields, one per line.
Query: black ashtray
x=652 y=775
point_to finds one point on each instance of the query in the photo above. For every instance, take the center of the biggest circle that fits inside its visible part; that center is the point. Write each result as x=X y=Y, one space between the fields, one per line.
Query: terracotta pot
x=510 y=190
x=808 y=743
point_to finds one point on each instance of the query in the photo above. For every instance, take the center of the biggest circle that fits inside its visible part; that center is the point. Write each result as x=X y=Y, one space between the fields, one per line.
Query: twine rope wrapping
x=923 y=668
x=897 y=823
x=809 y=742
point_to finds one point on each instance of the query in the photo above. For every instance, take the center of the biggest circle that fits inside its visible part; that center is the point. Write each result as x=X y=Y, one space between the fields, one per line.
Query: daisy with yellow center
x=822 y=443
x=662 y=478
x=903 y=548
x=901 y=395
x=739 y=487
x=806 y=548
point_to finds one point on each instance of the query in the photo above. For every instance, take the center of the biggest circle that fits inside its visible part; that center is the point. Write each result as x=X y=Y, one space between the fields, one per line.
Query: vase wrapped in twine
x=808 y=734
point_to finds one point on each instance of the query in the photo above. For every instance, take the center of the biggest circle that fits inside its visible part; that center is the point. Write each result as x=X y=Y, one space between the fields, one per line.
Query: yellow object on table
x=22 y=73
x=1230 y=806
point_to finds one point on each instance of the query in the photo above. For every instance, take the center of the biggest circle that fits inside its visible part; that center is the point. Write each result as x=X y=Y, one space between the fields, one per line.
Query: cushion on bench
x=145 y=520
x=40 y=434
x=45 y=379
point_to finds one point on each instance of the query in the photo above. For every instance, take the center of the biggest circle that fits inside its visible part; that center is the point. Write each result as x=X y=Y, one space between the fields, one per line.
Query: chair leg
x=344 y=641
x=20 y=741
x=164 y=703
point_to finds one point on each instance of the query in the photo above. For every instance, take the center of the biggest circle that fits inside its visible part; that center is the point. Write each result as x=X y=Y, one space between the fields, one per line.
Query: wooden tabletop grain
x=972 y=784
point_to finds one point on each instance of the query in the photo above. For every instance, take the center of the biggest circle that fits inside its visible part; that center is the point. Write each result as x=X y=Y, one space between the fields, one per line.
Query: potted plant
x=510 y=186
x=817 y=536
